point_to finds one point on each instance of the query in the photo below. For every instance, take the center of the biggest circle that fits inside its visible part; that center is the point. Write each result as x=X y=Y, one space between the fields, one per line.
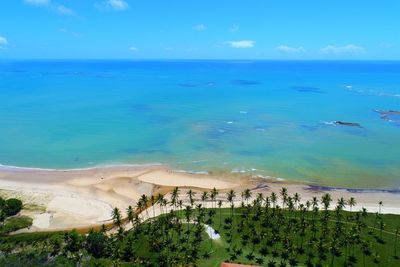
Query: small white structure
x=211 y=232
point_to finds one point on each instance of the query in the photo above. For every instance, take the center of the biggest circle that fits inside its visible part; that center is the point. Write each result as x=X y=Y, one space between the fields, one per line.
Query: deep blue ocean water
x=271 y=118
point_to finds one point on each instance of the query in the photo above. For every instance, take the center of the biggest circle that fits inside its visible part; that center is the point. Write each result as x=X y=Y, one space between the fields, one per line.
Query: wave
x=108 y=165
x=243 y=170
x=192 y=172
x=371 y=92
x=329 y=123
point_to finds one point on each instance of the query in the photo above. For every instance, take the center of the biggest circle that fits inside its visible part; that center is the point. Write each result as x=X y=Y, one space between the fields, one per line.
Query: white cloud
x=386 y=45
x=72 y=33
x=242 y=44
x=63 y=10
x=289 y=49
x=133 y=48
x=3 y=40
x=200 y=27
x=346 y=49
x=118 y=5
x=37 y=2
x=234 y=28
x=60 y=9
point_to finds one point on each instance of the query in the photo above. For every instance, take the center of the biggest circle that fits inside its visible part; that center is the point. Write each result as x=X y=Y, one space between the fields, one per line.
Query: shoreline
x=84 y=198
x=219 y=172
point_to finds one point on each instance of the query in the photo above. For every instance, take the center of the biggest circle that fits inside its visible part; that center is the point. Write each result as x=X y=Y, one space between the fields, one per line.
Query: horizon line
x=186 y=59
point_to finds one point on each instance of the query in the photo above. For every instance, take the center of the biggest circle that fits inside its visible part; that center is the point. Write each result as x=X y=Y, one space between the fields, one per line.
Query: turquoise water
x=259 y=117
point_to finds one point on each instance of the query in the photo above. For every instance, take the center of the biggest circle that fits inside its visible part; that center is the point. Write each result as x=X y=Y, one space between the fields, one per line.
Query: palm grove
x=268 y=230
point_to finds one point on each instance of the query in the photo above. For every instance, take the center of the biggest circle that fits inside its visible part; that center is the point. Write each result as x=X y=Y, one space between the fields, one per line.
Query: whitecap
x=243 y=112
x=329 y=122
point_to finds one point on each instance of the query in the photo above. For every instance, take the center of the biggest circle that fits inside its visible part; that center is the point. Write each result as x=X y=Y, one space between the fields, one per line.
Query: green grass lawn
x=221 y=250
x=384 y=250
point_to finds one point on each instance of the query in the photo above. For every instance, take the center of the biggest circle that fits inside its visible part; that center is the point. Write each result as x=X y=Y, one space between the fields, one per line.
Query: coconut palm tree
x=191 y=196
x=326 y=201
x=130 y=214
x=174 y=197
x=160 y=201
x=380 y=206
x=116 y=216
x=220 y=210
x=213 y=195
x=284 y=194
x=144 y=200
x=204 y=198
x=296 y=199
x=396 y=237
x=153 y=201
x=230 y=197
x=247 y=195
x=341 y=203
x=274 y=199
x=366 y=250
x=352 y=202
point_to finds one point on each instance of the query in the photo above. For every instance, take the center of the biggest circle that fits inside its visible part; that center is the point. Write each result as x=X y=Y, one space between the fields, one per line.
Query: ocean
x=331 y=123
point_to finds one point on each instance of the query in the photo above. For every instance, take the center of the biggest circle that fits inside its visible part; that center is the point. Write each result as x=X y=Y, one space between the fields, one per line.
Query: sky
x=207 y=29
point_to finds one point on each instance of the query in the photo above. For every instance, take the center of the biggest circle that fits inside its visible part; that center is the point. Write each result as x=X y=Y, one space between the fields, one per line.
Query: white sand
x=84 y=198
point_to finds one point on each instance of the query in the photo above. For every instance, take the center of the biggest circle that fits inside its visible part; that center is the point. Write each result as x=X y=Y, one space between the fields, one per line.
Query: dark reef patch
x=196 y=84
x=245 y=82
x=307 y=89
x=318 y=188
x=351 y=124
x=392 y=116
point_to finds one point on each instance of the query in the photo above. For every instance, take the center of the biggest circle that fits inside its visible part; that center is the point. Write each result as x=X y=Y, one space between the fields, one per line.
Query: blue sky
x=207 y=29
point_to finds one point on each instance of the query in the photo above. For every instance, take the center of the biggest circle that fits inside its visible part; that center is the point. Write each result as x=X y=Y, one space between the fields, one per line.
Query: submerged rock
x=351 y=124
x=392 y=116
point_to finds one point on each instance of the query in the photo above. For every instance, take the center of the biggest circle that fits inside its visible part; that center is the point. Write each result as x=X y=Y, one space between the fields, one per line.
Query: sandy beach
x=82 y=198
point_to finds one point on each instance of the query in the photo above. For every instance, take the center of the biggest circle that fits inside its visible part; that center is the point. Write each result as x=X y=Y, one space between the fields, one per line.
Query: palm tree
x=116 y=216
x=230 y=197
x=352 y=202
x=191 y=195
x=144 y=200
x=381 y=228
x=247 y=195
x=274 y=198
x=153 y=201
x=204 y=198
x=214 y=194
x=174 y=197
x=341 y=203
x=296 y=199
x=366 y=250
x=271 y=263
x=130 y=213
x=220 y=210
x=160 y=200
x=395 y=242
x=314 y=202
x=283 y=193
x=380 y=206
x=326 y=201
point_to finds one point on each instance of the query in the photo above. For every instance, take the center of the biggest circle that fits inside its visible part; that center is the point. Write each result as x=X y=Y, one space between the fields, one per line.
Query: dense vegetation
x=9 y=222
x=263 y=230
x=9 y=207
